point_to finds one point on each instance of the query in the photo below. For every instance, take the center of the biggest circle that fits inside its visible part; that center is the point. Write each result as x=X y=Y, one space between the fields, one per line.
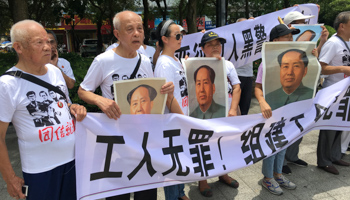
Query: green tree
x=74 y=8
x=5 y=17
x=162 y=11
x=48 y=12
x=18 y=9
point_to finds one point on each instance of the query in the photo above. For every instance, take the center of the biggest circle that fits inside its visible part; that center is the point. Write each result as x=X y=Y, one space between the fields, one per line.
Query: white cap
x=295 y=15
x=181 y=28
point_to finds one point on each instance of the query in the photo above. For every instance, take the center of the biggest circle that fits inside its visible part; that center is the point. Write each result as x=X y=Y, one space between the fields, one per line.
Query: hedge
x=79 y=65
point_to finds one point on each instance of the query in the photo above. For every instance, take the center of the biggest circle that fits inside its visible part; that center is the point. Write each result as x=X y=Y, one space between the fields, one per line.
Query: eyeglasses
x=178 y=36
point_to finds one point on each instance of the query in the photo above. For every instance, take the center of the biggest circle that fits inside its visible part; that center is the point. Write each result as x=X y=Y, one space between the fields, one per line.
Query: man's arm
x=70 y=82
x=328 y=69
x=236 y=95
x=14 y=183
x=264 y=106
x=323 y=39
x=108 y=106
x=171 y=102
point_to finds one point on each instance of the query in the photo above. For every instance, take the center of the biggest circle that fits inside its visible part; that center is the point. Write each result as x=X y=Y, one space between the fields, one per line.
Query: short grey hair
x=116 y=19
x=18 y=33
x=343 y=18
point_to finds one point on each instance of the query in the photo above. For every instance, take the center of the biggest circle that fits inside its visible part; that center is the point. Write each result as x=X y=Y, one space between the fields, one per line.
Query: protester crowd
x=35 y=96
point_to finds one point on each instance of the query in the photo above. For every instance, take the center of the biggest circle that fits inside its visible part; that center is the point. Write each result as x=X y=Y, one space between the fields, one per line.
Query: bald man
x=122 y=60
x=47 y=159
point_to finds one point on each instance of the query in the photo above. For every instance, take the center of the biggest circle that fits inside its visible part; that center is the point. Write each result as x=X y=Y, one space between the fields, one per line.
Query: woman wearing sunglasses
x=168 y=66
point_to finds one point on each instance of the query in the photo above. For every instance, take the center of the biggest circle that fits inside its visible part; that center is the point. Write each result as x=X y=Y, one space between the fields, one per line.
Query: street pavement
x=312 y=182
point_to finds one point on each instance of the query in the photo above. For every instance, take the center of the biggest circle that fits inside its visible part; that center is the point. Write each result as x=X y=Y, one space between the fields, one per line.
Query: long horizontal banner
x=138 y=152
x=244 y=39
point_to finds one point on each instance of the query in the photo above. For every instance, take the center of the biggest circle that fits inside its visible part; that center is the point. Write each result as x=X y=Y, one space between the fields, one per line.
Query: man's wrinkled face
x=140 y=102
x=130 y=32
x=37 y=47
x=292 y=71
x=204 y=88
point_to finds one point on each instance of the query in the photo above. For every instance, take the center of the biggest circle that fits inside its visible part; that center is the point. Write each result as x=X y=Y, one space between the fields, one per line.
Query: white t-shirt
x=232 y=79
x=112 y=46
x=149 y=52
x=334 y=53
x=173 y=71
x=43 y=124
x=64 y=65
x=245 y=70
x=109 y=66
x=141 y=50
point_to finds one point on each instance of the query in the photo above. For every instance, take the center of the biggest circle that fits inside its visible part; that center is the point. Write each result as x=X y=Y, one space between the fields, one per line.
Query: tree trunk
x=99 y=37
x=145 y=20
x=19 y=10
x=247 y=9
x=181 y=6
x=191 y=17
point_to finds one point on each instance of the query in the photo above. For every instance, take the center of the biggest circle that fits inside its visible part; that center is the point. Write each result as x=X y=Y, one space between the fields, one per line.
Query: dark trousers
x=141 y=195
x=246 y=94
x=56 y=184
x=328 y=147
x=292 y=152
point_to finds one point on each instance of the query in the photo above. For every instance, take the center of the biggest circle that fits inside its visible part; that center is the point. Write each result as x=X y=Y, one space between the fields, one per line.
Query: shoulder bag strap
x=33 y=79
x=344 y=42
x=133 y=75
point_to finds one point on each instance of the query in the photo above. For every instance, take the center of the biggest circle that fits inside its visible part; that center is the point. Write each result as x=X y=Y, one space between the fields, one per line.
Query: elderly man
x=293 y=68
x=47 y=159
x=334 y=59
x=61 y=63
x=141 y=99
x=125 y=61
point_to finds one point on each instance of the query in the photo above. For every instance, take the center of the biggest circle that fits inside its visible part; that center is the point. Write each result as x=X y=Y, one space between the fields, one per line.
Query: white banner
x=139 y=152
x=244 y=39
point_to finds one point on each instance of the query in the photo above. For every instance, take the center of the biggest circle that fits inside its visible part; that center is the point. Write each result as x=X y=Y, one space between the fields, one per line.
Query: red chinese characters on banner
x=49 y=134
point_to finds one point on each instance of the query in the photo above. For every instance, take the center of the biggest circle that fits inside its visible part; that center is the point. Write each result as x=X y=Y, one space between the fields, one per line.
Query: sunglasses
x=178 y=36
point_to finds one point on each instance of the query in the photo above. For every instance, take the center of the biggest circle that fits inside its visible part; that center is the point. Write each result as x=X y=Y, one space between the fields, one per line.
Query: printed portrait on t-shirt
x=346 y=58
x=229 y=85
x=140 y=96
x=115 y=77
x=183 y=84
x=45 y=107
